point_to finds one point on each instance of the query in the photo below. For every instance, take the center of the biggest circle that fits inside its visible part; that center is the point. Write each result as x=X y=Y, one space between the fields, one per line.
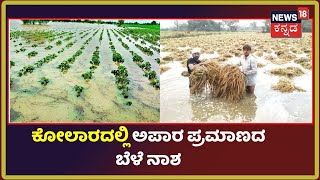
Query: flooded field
x=267 y=105
x=82 y=57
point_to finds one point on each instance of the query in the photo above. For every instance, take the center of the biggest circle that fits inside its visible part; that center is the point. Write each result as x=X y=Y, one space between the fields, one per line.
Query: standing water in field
x=267 y=105
x=97 y=98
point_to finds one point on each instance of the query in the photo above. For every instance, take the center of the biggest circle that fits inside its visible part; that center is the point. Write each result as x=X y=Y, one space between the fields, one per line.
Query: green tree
x=120 y=22
x=204 y=25
x=266 y=27
x=232 y=25
x=306 y=25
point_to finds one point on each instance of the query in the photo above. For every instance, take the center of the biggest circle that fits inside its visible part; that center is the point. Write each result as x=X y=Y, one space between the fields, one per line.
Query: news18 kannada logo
x=287 y=24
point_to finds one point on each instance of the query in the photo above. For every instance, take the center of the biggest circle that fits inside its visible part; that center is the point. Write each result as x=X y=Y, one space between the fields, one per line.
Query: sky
x=170 y=23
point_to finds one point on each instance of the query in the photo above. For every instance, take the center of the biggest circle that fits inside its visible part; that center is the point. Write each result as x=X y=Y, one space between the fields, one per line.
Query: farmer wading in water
x=193 y=62
x=248 y=66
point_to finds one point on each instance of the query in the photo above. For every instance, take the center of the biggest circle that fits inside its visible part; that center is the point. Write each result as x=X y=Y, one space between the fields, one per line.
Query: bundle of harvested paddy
x=279 y=52
x=304 y=62
x=260 y=65
x=221 y=59
x=180 y=56
x=269 y=51
x=259 y=53
x=164 y=69
x=198 y=80
x=229 y=84
x=288 y=57
x=288 y=71
x=286 y=86
x=185 y=73
x=278 y=61
x=269 y=57
x=163 y=62
x=226 y=82
x=227 y=55
x=167 y=58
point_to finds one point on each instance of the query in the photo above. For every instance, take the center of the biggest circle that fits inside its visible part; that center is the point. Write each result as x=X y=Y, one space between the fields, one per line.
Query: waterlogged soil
x=265 y=106
x=100 y=101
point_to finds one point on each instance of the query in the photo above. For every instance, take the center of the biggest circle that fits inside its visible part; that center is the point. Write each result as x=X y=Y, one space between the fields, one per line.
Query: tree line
x=119 y=22
x=228 y=25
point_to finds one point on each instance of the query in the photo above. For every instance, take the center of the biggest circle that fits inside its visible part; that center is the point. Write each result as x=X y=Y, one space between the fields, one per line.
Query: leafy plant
x=32 y=54
x=78 y=89
x=125 y=45
x=145 y=66
x=158 y=60
x=95 y=57
x=12 y=64
x=69 y=45
x=129 y=103
x=25 y=70
x=155 y=83
x=116 y=57
x=78 y=53
x=152 y=75
x=71 y=60
x=44 y=81
x=48 y=47
x=145 y=50
x=88 y=75
x=34 y=45
x=11 y=81
x=64 y=66
x=58 y=43
x=68 y=38
x=122 y=81
x=46 y=59
x=60 y=51
x=137 y=59
x=23 y=49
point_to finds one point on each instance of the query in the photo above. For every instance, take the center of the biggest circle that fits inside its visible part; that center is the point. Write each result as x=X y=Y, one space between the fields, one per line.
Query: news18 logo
x=287 y=24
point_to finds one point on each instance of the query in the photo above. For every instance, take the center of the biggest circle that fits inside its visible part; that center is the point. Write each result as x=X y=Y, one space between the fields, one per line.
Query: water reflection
x=207 y=109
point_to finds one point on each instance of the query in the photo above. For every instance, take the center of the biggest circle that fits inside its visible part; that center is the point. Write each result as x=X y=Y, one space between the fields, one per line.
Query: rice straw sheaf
x=286 y=86
x=164 y=69
x=231 y=84
x=304 y=62
x=226 y=82
x=198 y=79
x=214 y=70
x=288 y=71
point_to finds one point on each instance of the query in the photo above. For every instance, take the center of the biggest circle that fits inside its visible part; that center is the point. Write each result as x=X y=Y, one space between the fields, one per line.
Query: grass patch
x=147 y=26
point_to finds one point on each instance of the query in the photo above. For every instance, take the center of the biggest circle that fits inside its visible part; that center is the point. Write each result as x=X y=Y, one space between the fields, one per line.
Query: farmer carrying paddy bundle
x=193 y=62
x=224 y=81
x=248 y=67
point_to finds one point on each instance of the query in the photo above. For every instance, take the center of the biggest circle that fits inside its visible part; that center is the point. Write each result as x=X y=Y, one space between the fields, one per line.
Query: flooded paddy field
x=278 y=59
x=79 y=72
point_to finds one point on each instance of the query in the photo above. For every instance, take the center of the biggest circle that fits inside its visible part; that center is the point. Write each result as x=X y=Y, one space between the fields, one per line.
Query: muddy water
x=100 y=100
x=266 y=106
